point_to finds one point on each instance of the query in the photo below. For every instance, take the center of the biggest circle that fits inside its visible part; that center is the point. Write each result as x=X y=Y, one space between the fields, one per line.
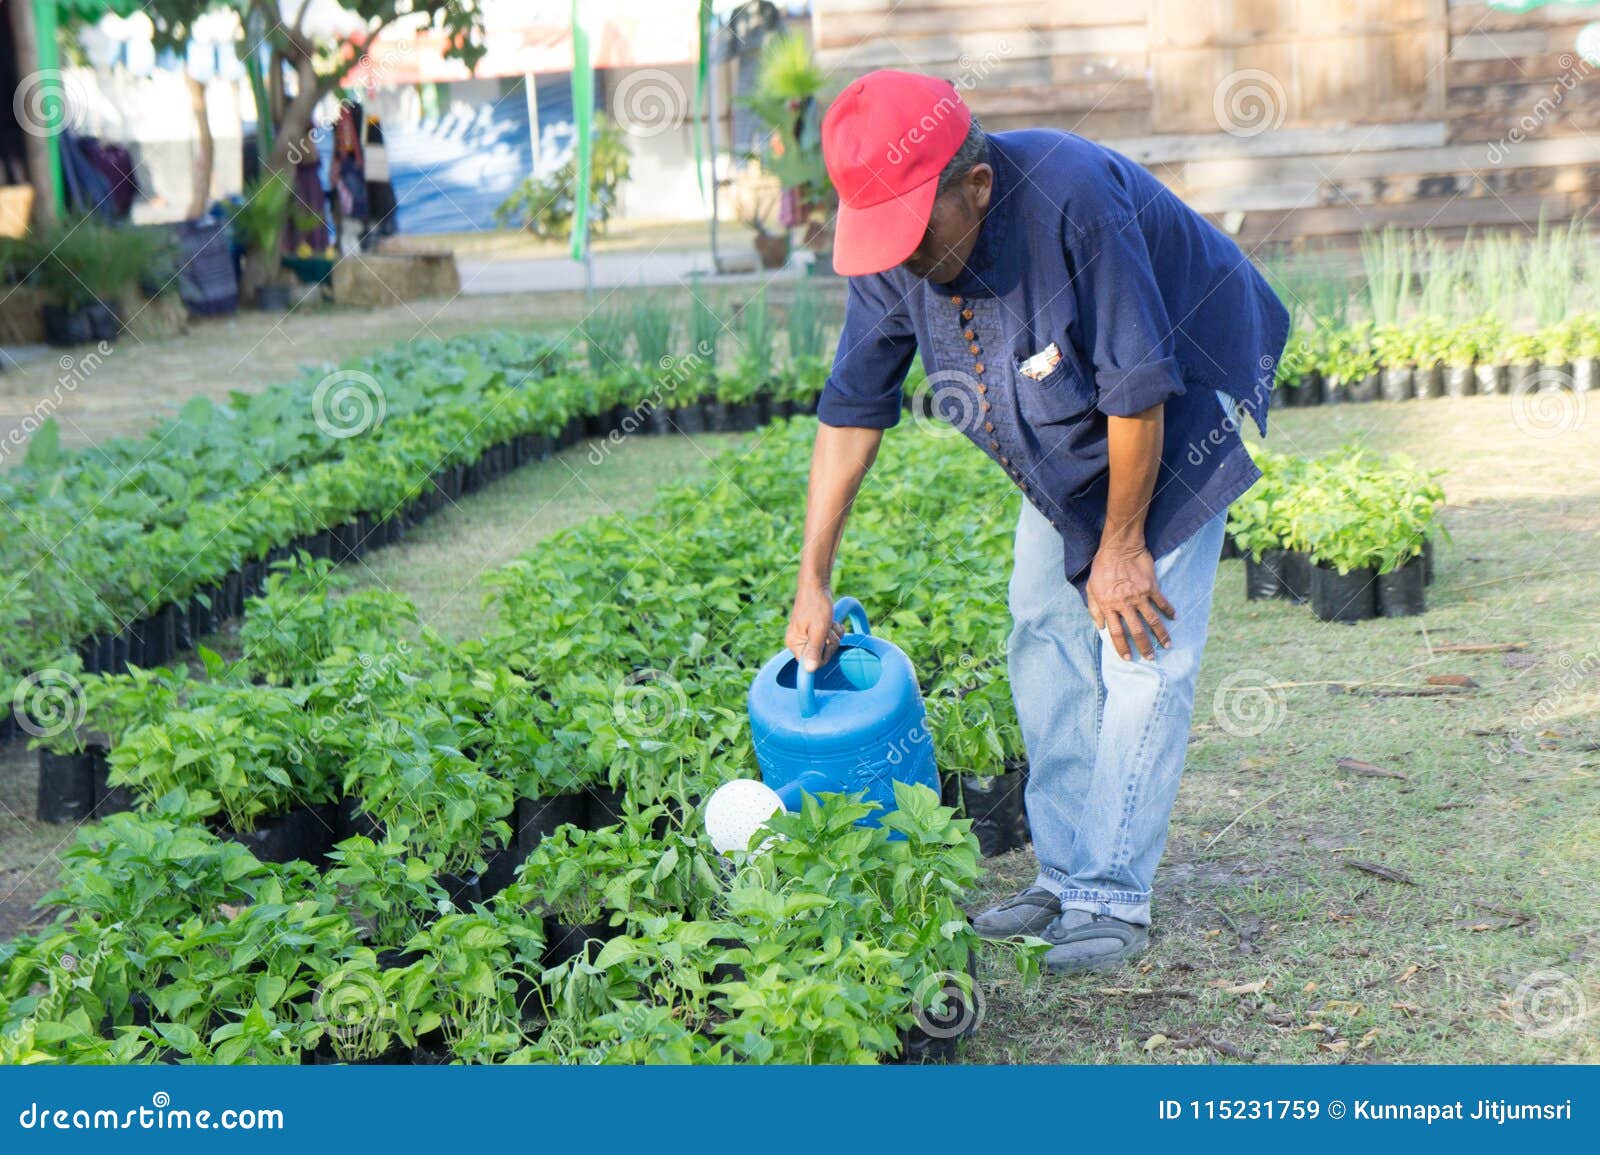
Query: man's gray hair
x=974 y=151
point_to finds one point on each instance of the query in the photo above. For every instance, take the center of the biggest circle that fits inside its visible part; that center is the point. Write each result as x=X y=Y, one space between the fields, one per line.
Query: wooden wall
x=1281 y=119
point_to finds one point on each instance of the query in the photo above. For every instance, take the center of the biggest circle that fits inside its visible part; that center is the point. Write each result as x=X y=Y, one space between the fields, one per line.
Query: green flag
x=701 y=77
x=583 y=126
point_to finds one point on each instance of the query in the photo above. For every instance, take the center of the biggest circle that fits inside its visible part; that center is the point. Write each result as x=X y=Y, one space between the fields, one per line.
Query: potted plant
x=771 y=247
x=1345 y=534
x=1406 y=522
x=1522 y=353
x=1431 y=341
x=1462 y=347
x=1296 y=381
x=1349 y=366
x=357 y=1013
x=1395 y=349
x=786 y=98
x=1489 y=371
x=393 y=892
x=471 y=969
x=258 y=222
x=970 y=729
x=558 y=882
x=1558 y=348
x=1253 y=526
x=545 y=205
x=84 y=269
x=1586 y=353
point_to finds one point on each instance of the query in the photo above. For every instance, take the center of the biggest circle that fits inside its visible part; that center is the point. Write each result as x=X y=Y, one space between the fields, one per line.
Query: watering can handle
x=850 y=608
x=805 y=680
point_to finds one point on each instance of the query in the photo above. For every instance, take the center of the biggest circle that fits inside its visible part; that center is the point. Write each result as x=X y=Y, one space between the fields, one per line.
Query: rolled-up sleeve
x=876 y=346
x=1126 y=332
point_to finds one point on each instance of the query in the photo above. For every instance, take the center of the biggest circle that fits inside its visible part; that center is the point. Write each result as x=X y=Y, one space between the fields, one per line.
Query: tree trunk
x=205 y=153
x=41 y=173
x=292 y=139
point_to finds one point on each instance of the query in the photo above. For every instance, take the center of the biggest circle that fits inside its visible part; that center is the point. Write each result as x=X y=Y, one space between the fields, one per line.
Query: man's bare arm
x=840 y=459
x=1123 y=594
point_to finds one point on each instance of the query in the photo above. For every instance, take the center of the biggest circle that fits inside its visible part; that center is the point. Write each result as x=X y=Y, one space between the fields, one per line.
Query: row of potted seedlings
x=576 y=611
x=1428 y=358
x=172 y=629
x=1350 y=535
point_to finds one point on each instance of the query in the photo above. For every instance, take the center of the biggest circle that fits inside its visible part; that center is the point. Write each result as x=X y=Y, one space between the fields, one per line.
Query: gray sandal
x=1027 y=913
x=1071 y=951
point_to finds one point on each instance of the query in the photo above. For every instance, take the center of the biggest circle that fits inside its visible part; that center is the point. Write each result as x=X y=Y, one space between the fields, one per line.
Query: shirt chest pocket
x=1062 y=394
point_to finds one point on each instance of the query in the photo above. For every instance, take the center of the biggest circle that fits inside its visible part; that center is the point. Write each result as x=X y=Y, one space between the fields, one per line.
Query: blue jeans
x=1106 y=737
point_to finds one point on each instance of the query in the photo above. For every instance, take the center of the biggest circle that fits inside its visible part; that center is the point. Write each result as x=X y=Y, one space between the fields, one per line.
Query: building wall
x=153 y=117
x=1278 y=118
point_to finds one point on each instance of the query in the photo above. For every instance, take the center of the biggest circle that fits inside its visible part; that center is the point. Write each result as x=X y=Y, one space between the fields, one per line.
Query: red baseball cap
x=885 y=140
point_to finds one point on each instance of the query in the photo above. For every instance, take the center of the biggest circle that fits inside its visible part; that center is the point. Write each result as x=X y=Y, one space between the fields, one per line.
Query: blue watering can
x=855 y=724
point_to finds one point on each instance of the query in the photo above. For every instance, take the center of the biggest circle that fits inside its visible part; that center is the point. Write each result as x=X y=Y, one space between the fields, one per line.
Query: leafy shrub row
x=102 y=538
x=602 y=671
x=1348 y=353
x=1347 y=509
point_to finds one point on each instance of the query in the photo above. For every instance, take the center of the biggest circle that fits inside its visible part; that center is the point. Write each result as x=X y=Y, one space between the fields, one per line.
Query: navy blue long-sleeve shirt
x=1084 y=254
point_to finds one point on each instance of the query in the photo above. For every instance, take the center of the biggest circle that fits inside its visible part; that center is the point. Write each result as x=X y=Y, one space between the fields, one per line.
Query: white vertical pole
x=528 y=80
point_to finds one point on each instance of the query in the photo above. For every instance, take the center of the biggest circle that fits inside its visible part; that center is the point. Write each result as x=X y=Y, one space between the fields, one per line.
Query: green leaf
x=44 y=448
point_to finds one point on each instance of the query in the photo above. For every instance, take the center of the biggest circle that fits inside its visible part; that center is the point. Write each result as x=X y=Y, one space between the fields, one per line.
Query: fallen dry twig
x=1367 y=769
x=1379 y=870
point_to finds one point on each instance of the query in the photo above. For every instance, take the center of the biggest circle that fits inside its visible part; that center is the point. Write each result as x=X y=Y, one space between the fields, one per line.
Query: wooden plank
x=1101 y=124
x=1381 y=192
x=1242 y=23
x=1042 y=13
x=1506 y=45
x=1455 y=212
x=1540 y=99
x=912 y=52
x=1238 y=171
x=1369 y=78
x=1185 y=84
x=1495 y=128
x=1078 y=14
x=1479 y=17
x=1086 y=68
x=1058 y=98
x=1345 y=16
x=1081 y=10
x=1550 y=68
x=1178 y=147
x=844 y=29
x=1185 y=23
x=985 y=73
x=1253 y=197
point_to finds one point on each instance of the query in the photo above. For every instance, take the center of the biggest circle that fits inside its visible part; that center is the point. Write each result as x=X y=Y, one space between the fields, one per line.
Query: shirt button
x=970 y=335
x=966 y=314
x=984 y=405
x=955 y=300
x=973 y=348
x=977 y=367
x=1005 y=461
x=988 y=426
x=982 y=388
x=994 y=445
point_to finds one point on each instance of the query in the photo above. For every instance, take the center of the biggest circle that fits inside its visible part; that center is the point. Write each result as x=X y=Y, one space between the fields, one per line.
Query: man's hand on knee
x=1125 y=599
